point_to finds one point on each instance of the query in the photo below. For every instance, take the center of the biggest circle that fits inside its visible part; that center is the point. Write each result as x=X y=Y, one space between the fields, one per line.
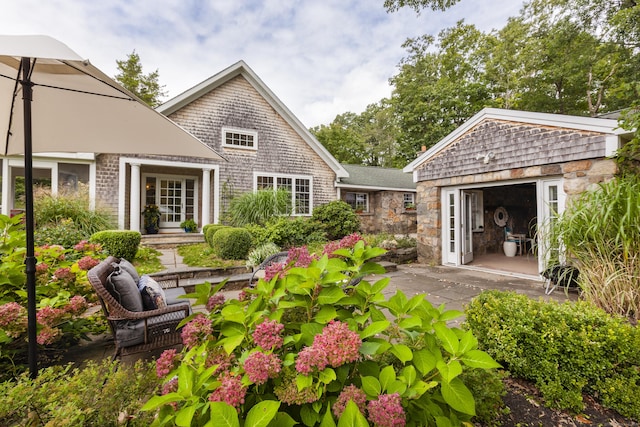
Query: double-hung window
x=300 y=187
x=409 y=201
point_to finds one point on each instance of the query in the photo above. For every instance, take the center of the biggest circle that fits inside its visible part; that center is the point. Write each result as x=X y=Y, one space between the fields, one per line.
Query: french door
x=457 y=226
x=551 y=203
x=175 y=196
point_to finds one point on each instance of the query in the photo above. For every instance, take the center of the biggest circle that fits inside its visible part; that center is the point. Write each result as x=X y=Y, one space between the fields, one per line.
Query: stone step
x=170 y=240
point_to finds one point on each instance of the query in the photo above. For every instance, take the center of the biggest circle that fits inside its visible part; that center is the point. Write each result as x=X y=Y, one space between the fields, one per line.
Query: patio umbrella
x=68 y=105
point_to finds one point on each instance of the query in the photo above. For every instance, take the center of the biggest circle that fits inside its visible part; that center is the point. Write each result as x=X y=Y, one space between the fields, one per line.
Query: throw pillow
x=129 y=268
x=153 y=296
x=124 y=289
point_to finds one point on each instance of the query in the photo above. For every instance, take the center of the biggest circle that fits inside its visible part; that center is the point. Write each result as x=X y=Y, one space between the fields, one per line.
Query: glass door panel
x=171 y=203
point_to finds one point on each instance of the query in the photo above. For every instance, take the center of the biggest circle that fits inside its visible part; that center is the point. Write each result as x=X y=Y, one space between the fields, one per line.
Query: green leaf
x=309 y=331
x=369 y=348
x=371 y=386
x=479 y=359
x=450 y=315
x=447 y=337
x=157 y=401
x=231 y=343
x=231 y=329
x=370 y=268
x=387 y=376
x=233 y=313
x=409 y=374
x=309 y=416
x=380 y=285
x=410 y=322
x=303 y=381
x=282 y=419
x=326 y=314
x=374 y=328
x=397 y=387
x=450 y=370
x=327 y=420
x=458 y=396
x=402 y=352
x=330 y=295
x=467 y=342
x=262 y=413
x=327 y=375
x=222 y=414
x=421 y=387
x=424 y=361
x=352 y=417
x=185 y=415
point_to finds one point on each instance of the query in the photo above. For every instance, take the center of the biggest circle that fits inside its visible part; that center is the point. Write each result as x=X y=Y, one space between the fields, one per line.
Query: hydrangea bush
x=311 y=347
x=62 y=291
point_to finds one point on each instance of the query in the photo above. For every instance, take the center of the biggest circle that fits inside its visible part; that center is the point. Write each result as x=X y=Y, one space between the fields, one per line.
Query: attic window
x=239 y=138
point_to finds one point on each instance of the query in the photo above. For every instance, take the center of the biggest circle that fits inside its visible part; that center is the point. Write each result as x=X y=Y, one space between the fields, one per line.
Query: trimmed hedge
x=287 y=232
x=119 y=243
x=566 y=349
x=209 y=230
x=232 y=243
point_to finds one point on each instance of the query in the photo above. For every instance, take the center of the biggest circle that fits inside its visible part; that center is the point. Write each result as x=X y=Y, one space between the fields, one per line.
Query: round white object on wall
x=501 y=216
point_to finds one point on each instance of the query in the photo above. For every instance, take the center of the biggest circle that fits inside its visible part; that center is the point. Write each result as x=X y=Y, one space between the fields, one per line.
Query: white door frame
x=451 y=201
x=182 y=178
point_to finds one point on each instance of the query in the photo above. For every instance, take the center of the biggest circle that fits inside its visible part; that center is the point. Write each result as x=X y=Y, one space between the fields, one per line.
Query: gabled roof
x=606 y=126
x=240 y=68
x=376 y=178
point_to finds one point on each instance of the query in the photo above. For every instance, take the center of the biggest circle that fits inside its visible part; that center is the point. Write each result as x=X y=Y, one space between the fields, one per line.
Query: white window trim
x=252 y=133
x=404 y=200
x=275 y=177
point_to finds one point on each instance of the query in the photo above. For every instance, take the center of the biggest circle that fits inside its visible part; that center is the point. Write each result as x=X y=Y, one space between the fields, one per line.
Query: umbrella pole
x=30 y=260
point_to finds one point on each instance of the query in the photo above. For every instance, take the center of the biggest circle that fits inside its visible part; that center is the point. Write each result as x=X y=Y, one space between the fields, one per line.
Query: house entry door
x=551 y=203
x=175 y=196
x=466 y=217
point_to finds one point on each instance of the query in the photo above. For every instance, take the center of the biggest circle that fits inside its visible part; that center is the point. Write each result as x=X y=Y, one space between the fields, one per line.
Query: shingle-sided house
x=234 y=112
x=506 y=170
x=384 y=198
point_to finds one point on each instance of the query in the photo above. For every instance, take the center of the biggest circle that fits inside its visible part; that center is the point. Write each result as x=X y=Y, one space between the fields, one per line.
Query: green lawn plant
x=568 y=350
x=118 y=243
x=600 y=235
x=232 y=243
x=306 y=348
x=260 y=206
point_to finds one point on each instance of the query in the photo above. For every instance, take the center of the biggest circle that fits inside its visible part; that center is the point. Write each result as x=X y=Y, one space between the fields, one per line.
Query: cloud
x=321 y=58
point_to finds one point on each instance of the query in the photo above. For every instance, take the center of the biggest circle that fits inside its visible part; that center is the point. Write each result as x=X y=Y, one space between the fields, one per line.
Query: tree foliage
x=145 y=86
x=577 y=57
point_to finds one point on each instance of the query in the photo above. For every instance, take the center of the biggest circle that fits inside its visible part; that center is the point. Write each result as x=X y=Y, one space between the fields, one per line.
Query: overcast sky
x=320 y=57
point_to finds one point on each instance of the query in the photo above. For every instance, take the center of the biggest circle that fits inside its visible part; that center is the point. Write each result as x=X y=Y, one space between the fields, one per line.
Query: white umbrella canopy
x=78 y=108
x=51 y=100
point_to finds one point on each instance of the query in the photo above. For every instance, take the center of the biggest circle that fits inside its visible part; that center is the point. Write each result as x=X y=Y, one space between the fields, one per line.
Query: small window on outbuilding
x=358 y=201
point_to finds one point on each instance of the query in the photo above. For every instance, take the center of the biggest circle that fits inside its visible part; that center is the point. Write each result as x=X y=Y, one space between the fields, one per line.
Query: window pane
x=303 y=196
x=264 y=182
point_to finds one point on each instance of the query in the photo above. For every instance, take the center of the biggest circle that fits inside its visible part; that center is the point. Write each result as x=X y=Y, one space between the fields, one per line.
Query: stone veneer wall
x=387 y=214
x=578 y=176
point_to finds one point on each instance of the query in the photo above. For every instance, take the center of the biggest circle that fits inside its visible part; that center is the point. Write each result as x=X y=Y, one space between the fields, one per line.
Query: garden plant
x=315 y=344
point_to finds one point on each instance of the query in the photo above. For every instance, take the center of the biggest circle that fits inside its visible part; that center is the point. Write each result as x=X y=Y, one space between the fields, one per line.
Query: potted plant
x=151 y=215
x=189 y=225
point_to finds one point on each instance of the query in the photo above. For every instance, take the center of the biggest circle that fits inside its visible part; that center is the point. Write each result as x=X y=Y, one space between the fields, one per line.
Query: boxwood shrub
x=565 y=349
x=231 y=243
x=119 y=243
x=337 y=218
x=209 y=230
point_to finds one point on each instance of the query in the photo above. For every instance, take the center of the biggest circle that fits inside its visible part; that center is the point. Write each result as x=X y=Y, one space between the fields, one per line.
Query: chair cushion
x=172 y=296
x=129 y=268
x=152 y=294
x=123 y=288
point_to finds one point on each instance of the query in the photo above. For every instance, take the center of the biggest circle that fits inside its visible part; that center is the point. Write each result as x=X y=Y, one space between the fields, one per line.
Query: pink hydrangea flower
x=167 y=361
x=222 y=359
x=350 y=392
x=13 y=319
x=77 y=305
x=261 y=366
x=64 y=274
x=299 y=257
x=170 y=386
x=347 y=242
x=196 y=331
x=230 y=391
x=268 y=334
x=87 y=262
x=340 y=344
x=215 y=301
x=287 y=392
x=387 y=411
x=49 y=316
x=310 y=358
x=48 y=335
x=272 y=269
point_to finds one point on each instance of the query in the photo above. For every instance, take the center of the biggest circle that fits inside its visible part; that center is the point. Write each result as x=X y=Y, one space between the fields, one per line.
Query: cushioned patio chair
x=258 y=272
x=135 y=329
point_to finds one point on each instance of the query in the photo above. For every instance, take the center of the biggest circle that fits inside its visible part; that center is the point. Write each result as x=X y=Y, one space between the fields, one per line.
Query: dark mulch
x=526 y=409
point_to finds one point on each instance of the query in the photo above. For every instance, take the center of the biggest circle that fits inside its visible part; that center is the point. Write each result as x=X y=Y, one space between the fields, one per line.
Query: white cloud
x=321 y=58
